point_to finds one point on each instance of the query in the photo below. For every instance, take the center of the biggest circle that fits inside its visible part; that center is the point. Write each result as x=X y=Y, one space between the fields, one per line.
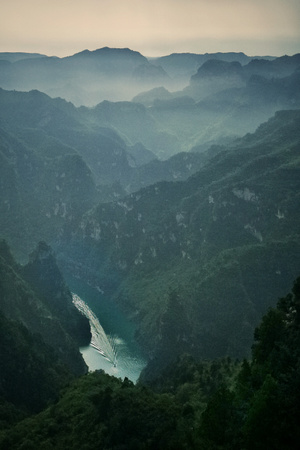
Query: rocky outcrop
x=217 y=240
x=37 y=297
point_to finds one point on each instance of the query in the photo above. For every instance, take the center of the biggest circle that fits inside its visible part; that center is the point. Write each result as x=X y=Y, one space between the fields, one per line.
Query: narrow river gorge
x=113 y=347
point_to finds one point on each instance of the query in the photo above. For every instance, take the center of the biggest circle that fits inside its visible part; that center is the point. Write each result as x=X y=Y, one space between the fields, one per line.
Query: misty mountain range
x=75 y=183
x=117 y=148
x=226 y=96
x=171 y=185
x=88 y=77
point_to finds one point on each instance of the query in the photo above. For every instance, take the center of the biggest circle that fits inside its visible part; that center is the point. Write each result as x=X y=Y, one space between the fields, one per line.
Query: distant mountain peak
x=217 y=67
x=109 y=51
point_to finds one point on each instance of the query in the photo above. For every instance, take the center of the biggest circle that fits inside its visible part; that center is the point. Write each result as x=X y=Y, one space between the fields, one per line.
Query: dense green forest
x=219 y=404
x=36 y=296
x=181 y=209
x=189 y=260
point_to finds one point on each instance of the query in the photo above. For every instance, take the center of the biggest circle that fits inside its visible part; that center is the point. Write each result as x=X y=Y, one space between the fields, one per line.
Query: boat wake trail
x=100 y=341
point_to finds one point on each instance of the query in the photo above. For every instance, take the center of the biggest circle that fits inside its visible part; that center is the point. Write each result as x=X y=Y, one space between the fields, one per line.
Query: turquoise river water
x=113 y=347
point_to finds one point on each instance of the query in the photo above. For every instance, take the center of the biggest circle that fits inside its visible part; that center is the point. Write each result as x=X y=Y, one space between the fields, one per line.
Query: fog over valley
x=149 y=247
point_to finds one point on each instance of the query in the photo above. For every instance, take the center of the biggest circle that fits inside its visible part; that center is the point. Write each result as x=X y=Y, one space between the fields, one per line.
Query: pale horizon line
x=161 y=55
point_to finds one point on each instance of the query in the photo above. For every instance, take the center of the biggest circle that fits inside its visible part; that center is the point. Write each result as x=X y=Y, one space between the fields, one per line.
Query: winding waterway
x=113 y=347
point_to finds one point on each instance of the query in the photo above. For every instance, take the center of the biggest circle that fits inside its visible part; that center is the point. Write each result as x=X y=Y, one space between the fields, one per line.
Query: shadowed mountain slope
x=192 y=260
x=36 y=297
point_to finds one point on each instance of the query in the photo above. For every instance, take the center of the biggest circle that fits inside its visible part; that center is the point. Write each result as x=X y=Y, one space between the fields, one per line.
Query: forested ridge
x=187 y=258
x=218 y=404
x=190 y=259
x=181 y=209
x=36 y=297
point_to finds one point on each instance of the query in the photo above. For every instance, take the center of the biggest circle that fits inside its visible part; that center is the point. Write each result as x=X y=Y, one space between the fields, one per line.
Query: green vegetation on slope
x=194 y=404
x=58 y=161
x=31 y=372
x=36 y=296
x=225 y=241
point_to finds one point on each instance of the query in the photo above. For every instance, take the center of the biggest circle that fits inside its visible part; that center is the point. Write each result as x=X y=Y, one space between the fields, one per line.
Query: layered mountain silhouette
x=182 y=205
x=84 y=78
x=199 y=258
x=180 y=202
x=181 y=66
x=89 y=77
x=57 y=161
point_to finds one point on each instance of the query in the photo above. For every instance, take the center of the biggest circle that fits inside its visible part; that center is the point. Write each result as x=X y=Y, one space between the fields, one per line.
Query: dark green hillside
x=219 y=404
x=99 y=411
x=26 y=114
x=43 y=185
x=178 y=167
x=31 y=373
x=113 y=139
x=195 y=249
x=262 y=410
x=53 y=155
x=198 y=262
x=43 y=275
x=36 y=296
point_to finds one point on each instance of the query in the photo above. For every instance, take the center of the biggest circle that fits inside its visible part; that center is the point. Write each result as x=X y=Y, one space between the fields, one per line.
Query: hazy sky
x=153 y=27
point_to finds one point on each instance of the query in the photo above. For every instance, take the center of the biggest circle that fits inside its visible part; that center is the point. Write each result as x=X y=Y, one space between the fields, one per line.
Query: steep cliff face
x=43 y=275
x=200 y=249
x=222 y=244
x=58 y=161
x=43 y=185
x=37 y=297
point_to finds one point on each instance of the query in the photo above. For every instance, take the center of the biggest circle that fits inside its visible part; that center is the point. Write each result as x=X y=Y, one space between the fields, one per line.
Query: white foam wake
x=100 y=341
